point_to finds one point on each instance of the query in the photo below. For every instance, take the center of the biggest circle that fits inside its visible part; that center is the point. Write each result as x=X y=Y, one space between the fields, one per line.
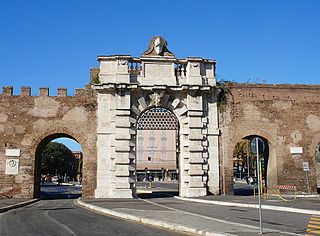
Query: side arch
x=314 y=164
x=271 y=170
x=46 y=137
x=272 y=173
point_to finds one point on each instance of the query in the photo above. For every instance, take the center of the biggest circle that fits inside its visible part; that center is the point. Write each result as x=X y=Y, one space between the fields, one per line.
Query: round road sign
x=253 y=145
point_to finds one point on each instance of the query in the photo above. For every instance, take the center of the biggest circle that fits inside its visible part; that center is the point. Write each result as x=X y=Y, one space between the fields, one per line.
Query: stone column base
x=194 y=192
x=121 y=193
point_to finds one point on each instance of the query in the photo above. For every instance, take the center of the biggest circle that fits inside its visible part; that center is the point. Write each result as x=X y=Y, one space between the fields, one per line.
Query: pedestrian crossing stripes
x=313 y=227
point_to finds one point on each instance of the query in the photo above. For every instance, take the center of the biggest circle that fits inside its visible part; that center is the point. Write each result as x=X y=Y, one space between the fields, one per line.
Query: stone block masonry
x=127 y=88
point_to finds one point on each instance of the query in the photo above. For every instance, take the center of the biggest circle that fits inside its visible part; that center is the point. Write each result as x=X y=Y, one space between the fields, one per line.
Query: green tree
x=57 y=159
x=243 y=156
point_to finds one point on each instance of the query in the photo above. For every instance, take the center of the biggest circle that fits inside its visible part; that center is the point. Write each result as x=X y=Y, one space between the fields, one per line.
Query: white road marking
x=68 y=230
x=219 y=220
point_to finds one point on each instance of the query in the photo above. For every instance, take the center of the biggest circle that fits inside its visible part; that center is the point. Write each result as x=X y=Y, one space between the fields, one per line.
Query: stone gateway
x=127 y=95
x=128 y=88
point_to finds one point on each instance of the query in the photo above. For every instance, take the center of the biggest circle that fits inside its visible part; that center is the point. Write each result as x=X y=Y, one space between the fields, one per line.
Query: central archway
x=157 y=160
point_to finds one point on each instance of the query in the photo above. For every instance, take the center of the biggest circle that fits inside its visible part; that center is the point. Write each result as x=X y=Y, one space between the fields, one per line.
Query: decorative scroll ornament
x=123 y=62
x=158 y=47
x=155 y=98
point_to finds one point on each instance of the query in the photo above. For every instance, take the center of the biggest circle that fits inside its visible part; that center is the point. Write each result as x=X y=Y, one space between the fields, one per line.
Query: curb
x=143 y=191
x=307 y=195
x=21 y=204
x=266 y=207
x=148 y=221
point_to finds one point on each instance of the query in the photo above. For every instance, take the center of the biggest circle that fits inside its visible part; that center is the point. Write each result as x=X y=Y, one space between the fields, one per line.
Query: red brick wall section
x=28 y=122
x=287 y=116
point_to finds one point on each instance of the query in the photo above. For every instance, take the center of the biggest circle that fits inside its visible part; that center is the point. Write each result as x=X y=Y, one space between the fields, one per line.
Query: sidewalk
x=308 y=204
x=144 y=211
x=7 y=204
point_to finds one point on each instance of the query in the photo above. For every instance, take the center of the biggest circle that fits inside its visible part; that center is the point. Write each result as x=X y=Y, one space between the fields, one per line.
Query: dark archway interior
x=56 y=193
x=245 y=178
x=317 y=162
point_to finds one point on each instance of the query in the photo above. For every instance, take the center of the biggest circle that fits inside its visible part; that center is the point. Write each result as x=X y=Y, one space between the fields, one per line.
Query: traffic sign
x=306 y=166
x=253 y=145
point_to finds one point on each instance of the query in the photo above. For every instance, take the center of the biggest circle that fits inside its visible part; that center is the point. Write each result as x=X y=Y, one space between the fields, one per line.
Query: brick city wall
x=286 y=116
x=29 y=122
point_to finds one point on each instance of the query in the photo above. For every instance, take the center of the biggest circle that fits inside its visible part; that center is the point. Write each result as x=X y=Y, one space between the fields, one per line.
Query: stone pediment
x=156 y=66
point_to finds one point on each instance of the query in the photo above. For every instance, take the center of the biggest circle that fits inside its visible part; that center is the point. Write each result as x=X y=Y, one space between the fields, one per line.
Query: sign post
x=257 y=146
x=306 y=169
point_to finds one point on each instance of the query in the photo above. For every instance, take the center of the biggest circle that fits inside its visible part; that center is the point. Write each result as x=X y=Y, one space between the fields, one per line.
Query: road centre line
x=69 y=231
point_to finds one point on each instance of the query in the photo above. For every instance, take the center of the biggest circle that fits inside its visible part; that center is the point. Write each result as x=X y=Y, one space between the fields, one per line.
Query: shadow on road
x=158 y=194
x=243 y=189
x=54 y=191
x=59 y=196
x=157 y=189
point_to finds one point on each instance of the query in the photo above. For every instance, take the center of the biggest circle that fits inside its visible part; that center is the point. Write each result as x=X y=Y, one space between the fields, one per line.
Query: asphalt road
x=63 y=217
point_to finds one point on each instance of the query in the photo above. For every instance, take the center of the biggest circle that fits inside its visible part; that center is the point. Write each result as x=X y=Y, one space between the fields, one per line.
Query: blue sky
x=53 y=43
x=71 y=144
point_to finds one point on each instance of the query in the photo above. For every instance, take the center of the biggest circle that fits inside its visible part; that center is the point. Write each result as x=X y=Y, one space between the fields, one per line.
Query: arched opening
x=245 y=177
x=317 y=161
x=157 y=162
x=58 y=167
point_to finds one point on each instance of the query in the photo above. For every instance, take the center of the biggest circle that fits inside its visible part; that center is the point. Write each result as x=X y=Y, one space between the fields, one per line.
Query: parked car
x=252 y=180
x=55 y=179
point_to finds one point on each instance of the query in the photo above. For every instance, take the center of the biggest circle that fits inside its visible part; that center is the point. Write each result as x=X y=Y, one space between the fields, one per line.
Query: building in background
x=79 y=156
x=156 y=155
